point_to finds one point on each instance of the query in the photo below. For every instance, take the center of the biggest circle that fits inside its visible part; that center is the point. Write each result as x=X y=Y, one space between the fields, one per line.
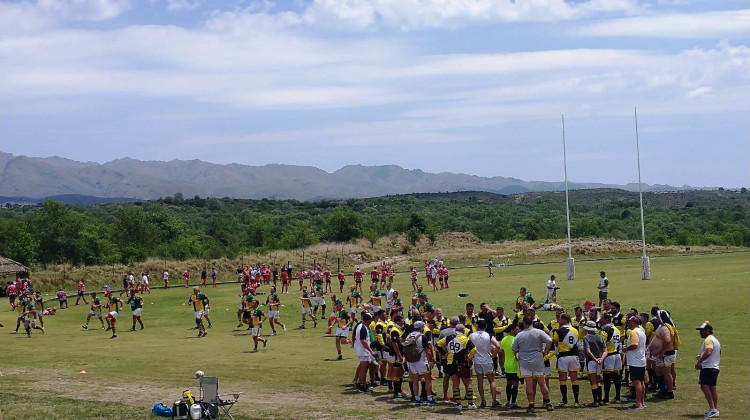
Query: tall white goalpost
x=645 y=263
x=571 y=262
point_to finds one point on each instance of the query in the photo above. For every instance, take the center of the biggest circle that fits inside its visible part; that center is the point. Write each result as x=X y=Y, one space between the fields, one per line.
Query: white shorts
x=273 y=314
x=665 y=361
x=206 y=311
x=319 y=301
x=529 y=370
x=255 y=332
x=613 y=363
x=547 y=370
x=30 y=321
x=593 y=367
x=353 y=310
x=137 y=312
x=418 y=368
x=97 y=314
x=342 y=332
x=365 y=358
x=198 y=314
x=389 y=357
x=484 y=368
x=568 y=364
x=113 y=314
x=306 y=311
x=375 y=308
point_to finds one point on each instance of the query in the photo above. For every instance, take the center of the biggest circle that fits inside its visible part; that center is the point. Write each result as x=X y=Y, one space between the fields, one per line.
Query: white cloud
x=27 y=16
x=183 y=5
x=716 y=25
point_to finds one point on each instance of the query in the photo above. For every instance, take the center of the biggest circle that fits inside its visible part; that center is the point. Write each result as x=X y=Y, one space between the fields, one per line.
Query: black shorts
x=342 y=281
x=464 y=372
x=328 y=281
x=450 y=369
x=246 y=315
x=708 y=377
x=637 y=373
x=511 y=376
x=602 y=295
x=80 y=293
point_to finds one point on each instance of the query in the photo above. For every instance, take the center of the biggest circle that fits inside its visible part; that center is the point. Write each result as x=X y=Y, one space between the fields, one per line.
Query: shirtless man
x=662 y=347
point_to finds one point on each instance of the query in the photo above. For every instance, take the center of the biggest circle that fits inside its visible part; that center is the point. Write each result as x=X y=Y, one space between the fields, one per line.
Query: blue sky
x=473 y=86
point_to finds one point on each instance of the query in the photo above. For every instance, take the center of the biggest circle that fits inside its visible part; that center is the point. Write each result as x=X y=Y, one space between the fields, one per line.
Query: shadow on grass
x=692 y=416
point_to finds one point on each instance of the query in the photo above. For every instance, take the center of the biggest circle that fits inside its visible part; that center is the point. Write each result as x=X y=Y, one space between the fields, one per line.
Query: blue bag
x=161 y=410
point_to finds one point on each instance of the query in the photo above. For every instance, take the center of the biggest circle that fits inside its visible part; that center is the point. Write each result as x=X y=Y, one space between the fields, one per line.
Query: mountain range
x=37 y=178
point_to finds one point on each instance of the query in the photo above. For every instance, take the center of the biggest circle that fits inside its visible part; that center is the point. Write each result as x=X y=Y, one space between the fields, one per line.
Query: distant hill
x=22 y=176
x=78 y=199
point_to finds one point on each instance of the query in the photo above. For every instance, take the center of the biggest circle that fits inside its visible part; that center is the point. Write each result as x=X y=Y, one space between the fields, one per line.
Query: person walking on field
x=530 y=347
x=81 y=292
x=551 y=289
x=489 y=267
x=708 y=365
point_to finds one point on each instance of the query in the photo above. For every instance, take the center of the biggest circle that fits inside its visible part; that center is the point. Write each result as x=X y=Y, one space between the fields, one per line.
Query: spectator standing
x=708 y=365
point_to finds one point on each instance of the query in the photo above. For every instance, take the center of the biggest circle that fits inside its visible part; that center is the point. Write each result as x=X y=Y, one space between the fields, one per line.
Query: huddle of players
x=29 y=307
x=593 y=342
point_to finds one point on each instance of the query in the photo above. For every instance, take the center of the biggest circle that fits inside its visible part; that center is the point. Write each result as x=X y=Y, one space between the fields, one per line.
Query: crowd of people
x=397 y=340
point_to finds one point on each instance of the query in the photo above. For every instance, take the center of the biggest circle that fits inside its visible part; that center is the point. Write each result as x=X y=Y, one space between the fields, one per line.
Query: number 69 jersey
x=457 y=347
x=565 y=339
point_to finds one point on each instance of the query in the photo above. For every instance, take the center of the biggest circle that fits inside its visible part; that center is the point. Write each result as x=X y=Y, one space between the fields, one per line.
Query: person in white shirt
x=635 y=353
x=485 y=347
x=165 y=277
x=389 y=295
x=708 y=365
x=551 y=288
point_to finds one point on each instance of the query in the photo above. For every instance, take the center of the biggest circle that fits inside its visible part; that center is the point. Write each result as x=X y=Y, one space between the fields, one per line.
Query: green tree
x=413 y=235
x=372 y=236
x=343 y=225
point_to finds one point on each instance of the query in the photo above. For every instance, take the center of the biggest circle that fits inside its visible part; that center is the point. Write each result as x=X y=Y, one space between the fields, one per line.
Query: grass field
x=296 y=375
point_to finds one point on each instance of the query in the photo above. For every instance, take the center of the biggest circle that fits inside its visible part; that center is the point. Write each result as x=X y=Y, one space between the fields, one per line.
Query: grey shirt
x=529 y=344
x=595 y=343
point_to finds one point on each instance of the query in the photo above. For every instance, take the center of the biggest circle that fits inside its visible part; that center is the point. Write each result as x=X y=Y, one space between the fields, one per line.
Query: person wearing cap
x=595 y=351
x=420 y=370
x=507 y=359
x=635 y=354
x=603 y=287
x=530 y=347
x=363 y=350
x=708 y=365
x=457 y=347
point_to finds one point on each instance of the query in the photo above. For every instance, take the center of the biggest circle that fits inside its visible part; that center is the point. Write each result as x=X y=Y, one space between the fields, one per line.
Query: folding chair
x=209 y=392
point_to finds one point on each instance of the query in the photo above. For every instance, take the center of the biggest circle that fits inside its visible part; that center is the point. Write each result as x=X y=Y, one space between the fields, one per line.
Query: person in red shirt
x=358 y=274
x=383 y=276
x=301 y=279
x=327 y=278
x=81 y=292
x=186 y=277
x=284 y=281
x=374 y=274
x=12 y=294
x=342 y=280
x=445 y=276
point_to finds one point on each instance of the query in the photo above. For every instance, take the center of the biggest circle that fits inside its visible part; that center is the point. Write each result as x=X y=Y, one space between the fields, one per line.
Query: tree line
x=181 y=228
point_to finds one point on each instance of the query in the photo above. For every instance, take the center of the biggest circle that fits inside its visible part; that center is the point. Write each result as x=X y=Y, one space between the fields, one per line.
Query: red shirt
x=12 y=289
x=374 y=274
x=358 y=275
x=327 y=274
x=186 y=275
x=342 y=276
x=80 y=285
x=284 y=276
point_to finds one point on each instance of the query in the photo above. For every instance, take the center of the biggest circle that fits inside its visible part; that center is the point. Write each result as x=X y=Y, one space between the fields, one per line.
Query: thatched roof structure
x=9 y=266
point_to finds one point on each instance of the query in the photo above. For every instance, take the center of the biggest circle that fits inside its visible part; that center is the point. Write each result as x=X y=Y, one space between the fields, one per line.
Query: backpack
x=411 y=351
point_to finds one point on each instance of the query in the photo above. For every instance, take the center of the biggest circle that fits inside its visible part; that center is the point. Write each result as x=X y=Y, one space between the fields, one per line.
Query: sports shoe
x=364 y=389
x=315 y=324
x=604 y=402
x=472 y=406
x=446 y=400
x=108 y=328
x=340 y=357
x=549 y=407
x=209 y=325
x=483 y=404
x=593 y=404
x=667 y=396
x=577 y=405
x=302 y=327
x=496 y=404
x=401 y=394
x=239 y=326
x=514 y=406
x=417 y=402
x=616 y=401
x=85 y=327
x=712 y=413
x=431 y=402
x=459 y=407
x=530 y=410
x=131 y=330
x=142 y=327
x=273 y=333
x=635 y=407
x=114 y=336
x=283 y=327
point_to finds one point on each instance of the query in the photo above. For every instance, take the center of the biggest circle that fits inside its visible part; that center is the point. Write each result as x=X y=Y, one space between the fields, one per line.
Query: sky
x=465 y=86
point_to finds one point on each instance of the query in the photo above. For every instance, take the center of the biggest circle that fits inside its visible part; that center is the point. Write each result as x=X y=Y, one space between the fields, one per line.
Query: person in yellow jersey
x=565 y=340
x=23 y=300
x=343 y=323
x=200 y=302
x=395 y=349
x=95 y=311
x=457 y=347
x=30 y=316
x=708 y=364
x=353 y=299
x=376 y=298
x=307 y=308
x=256 y=322
x=319 y=300
x=114 y=305
x=273 y=303
x=613 y=361
x=379 y=328
x=39 y=303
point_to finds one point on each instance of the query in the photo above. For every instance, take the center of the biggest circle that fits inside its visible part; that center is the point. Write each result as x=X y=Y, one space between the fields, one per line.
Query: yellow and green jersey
x=96 y=305
x=199 y=302
x=39 y=302
x=273 y=302
x=114 y=304
x=257 y=318
x=305 y=299
x=319 y=290
x=343 y=318
x=31 y=310
x=353 y=299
